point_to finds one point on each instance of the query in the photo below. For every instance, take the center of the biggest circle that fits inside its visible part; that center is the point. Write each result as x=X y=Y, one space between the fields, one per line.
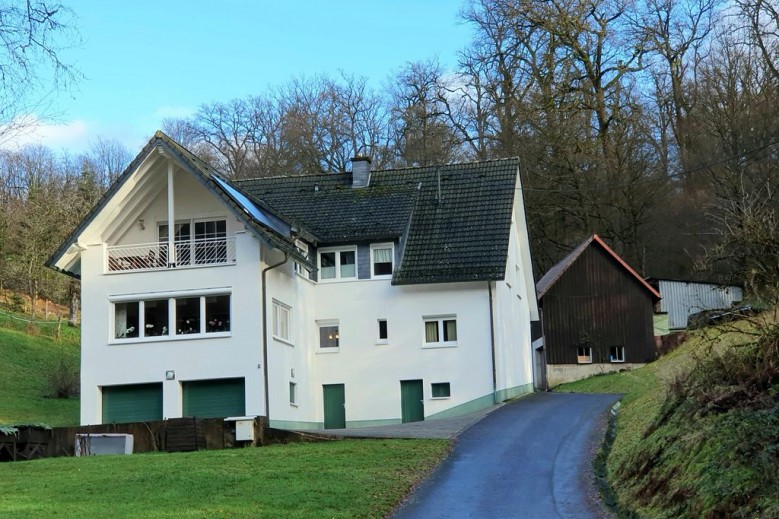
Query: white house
x=335 y=300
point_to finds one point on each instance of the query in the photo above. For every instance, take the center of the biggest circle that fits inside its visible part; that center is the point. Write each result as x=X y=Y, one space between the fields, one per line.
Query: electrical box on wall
x=244 y=428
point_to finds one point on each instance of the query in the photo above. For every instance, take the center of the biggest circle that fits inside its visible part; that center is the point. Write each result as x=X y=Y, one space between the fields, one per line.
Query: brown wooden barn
x=596 y=314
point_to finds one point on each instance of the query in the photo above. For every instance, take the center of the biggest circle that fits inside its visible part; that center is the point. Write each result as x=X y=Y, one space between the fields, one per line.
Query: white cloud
x=68 y=135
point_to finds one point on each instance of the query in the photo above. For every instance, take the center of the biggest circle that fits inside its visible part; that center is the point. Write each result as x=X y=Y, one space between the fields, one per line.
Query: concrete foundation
x=560 y=373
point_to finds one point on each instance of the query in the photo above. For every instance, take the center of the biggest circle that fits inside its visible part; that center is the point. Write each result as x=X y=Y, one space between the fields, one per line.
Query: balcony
x=154 y=256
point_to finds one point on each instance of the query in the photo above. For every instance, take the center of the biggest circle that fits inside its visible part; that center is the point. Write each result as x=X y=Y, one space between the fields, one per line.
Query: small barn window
x=584 y=355
x=617 y=354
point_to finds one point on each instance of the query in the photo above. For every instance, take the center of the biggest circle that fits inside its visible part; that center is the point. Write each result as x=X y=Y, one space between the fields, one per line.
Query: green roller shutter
x=132 y=403
x=214 y=398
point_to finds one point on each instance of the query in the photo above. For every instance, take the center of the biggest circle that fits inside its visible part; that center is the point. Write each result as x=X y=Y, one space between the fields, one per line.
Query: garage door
x=132 y=403
x=214 y=398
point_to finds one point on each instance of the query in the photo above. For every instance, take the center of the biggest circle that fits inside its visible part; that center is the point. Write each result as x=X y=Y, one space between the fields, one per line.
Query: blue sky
x=145 y=60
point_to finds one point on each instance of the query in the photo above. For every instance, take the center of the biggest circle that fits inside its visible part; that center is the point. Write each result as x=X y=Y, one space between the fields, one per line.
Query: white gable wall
x=513 y=343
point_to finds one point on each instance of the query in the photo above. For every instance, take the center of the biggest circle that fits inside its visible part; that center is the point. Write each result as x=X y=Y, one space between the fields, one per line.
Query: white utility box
x=244 y=427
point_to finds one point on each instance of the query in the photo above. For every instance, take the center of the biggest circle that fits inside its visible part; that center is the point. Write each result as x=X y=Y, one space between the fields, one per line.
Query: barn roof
x=554 y=273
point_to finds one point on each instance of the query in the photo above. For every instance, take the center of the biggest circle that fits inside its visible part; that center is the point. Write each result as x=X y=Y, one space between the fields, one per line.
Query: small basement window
x=584 y=355
x=441 y=390
x=617 y=354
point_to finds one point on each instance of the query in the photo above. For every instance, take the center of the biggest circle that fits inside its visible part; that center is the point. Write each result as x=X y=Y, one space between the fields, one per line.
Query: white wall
x=107 y=361
x=514 y=353
x=372 y=372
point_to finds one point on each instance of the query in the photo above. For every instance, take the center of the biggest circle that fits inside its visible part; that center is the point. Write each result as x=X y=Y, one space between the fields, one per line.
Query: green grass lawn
x=26 y=362
x=334 y=479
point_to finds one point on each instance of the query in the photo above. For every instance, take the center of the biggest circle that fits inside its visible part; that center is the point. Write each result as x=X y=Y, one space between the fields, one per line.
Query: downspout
x=265 y=332
x=492 y=348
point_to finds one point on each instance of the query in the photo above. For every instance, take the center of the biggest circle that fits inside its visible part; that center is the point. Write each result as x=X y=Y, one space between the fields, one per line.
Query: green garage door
x=214 y=398
x=132 y=403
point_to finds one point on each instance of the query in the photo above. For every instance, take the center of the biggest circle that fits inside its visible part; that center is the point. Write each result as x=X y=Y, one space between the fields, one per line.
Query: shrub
x=62 y=379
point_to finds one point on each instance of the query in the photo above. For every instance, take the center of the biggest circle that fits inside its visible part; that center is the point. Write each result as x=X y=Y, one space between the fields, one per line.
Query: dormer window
x=381 y=260
x=338 y=263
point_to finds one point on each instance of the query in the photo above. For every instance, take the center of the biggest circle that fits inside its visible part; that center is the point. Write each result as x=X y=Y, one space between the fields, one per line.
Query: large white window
x=282 y=318
x=441 y=331
x=163 y=317
x=340 y=263
x=381 y=260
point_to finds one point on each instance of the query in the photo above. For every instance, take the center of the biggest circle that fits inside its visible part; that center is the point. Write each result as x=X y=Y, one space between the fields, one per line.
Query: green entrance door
x=217 y=398
x=335 y=406
x=132 y=403
x=412 y=407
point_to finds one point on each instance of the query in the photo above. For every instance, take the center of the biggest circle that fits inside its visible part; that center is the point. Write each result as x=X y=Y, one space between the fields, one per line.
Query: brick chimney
x=361 y=171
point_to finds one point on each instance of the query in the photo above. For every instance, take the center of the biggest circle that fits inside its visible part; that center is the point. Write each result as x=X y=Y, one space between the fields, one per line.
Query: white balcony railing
x=154 y=256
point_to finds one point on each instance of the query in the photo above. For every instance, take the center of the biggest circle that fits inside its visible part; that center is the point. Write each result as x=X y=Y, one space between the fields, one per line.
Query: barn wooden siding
x=598 y=300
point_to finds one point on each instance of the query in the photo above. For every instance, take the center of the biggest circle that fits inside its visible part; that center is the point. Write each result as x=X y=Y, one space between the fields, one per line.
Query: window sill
x=584 y=362
x=382 y=342
x=382 y=277
x=283 y=341
x=170 y=338
x=440 y=397
x=435 y=345
x=617 y=361
x=328 y=350
x=337 y=280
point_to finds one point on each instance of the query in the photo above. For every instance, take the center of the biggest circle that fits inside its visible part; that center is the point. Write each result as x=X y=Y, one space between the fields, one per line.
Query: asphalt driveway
x=530 y=459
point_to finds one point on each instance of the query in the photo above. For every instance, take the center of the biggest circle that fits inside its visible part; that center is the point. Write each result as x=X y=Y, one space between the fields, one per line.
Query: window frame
x=580 y=359
x=380 y=339
x=377 y=246
x=337 y=250
x=293 y=394
x=171 y=298
x=328 y=323
x=305 y=250
x=440 y=321
x=440 y=384
x=276 y=308
x=617 y=354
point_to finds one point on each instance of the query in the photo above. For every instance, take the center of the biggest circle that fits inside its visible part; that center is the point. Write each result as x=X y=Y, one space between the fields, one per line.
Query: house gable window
x=338 y=263
x=381 y=260
x=207 y=245
x=155 y=317
x=440 y=331
x=282 y=318
x=617 y=354
x=584 y=355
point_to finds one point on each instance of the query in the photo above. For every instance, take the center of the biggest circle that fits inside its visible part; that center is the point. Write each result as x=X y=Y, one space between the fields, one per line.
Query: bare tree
x=33 y=36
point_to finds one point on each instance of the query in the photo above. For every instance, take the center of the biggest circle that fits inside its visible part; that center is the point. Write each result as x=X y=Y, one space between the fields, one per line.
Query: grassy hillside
x=698 y=431
x=30 y=356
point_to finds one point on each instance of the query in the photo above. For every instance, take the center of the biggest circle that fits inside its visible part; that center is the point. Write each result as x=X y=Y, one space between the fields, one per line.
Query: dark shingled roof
x=464 y=236
x=554 y=273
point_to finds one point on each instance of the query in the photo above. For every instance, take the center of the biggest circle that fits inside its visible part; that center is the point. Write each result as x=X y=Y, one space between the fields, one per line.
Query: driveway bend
x=530 y=459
